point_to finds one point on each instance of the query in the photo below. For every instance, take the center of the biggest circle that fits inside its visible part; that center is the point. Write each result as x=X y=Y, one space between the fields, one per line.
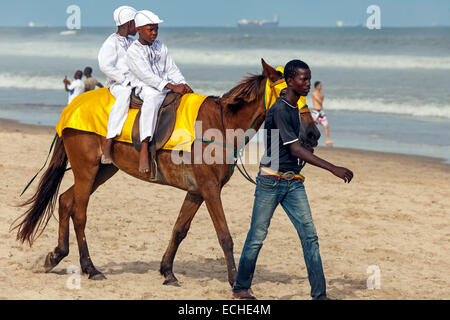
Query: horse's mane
x=246 y=91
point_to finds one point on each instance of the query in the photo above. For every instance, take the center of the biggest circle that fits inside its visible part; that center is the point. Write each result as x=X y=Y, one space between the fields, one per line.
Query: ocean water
x=385 y=90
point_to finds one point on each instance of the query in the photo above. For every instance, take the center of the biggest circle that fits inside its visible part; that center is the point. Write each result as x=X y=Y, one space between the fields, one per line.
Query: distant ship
x=244 y=23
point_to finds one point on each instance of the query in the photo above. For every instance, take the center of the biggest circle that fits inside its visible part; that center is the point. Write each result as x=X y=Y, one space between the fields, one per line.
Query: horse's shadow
x=207 y=269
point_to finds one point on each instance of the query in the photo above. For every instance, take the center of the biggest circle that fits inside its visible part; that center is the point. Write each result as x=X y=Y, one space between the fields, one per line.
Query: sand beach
x=393 y=216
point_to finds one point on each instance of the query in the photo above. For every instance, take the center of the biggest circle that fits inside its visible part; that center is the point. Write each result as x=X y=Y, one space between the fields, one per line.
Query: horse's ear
x=269 y=72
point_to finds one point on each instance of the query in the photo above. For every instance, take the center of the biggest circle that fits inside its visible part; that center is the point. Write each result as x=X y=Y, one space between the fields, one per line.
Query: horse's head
x=275 y=87
x=309 y=133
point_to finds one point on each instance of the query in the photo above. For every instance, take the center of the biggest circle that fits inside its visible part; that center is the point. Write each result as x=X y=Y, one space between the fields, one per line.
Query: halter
x=272 y=91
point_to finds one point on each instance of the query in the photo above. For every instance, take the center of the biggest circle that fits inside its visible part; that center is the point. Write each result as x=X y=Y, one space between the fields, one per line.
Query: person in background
x=90 y=83
x=317 y=113
x=74 y=88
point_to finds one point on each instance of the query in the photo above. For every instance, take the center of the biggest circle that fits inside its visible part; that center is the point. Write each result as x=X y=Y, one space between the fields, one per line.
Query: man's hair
x=88 y=70
x=291 y=68
x=316 y=84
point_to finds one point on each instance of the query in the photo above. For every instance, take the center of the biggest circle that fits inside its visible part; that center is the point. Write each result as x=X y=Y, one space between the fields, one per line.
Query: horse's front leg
x=211 y=195
x=190 y=206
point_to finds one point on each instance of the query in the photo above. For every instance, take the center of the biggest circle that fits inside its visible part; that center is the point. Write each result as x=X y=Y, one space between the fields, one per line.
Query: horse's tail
x=44 y=200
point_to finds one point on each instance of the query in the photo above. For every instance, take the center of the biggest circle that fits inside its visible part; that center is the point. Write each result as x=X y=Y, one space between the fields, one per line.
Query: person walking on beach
x=317 y=113
x=90 y=83
x=154 y=74
x=279 y=182
x=112 y=62
x=74 y=88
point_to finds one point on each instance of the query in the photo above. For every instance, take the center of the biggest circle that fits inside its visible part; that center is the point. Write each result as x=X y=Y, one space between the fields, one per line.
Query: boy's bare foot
x=329 y=143
x=144 y=165
x=106 y=152
x=105 y=160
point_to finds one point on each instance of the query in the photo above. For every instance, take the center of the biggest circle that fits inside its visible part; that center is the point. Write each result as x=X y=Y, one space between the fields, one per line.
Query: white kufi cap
x=124 y=14
x=145 y=17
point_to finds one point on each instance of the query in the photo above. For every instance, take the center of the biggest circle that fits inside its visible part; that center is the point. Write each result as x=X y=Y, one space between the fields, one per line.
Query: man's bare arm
x=304 y=154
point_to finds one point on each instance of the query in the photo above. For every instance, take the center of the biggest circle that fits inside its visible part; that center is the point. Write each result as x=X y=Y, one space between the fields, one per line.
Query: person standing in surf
x=74 y=88
x=90 y=83
x=317 y=113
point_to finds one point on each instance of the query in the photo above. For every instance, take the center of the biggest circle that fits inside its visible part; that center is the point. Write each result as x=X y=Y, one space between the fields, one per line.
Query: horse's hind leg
x=190 y=206
x=84 y=186
x=62 y=250
x=66 y=202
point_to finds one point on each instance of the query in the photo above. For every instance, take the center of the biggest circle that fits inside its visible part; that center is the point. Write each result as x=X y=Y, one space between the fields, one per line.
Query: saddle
x=165 y=124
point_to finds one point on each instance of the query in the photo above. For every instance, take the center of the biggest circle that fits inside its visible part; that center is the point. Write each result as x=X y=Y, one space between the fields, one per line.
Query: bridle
x=272 y=91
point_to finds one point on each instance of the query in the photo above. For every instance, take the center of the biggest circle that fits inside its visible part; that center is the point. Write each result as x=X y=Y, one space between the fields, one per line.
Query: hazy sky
x=227 y=12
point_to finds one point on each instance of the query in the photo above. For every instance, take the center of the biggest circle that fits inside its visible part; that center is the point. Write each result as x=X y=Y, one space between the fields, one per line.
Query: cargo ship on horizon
x=244 y=23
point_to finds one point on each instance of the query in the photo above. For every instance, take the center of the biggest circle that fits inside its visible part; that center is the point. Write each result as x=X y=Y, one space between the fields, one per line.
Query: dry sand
x=394 y=214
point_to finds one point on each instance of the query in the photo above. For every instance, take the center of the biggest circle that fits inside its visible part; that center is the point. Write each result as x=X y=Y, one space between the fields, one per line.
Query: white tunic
x=112 y=62
x=112 y=59
x=152 y=68
x=76 y=88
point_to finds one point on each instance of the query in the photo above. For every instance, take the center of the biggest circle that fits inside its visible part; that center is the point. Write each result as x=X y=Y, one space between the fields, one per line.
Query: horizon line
x=231 y=26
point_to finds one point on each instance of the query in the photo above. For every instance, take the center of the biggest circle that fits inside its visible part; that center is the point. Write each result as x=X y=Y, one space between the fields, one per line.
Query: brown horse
x=242 y=107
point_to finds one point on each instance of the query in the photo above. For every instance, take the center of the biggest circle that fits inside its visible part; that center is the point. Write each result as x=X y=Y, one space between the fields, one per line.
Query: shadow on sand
x=208 y=269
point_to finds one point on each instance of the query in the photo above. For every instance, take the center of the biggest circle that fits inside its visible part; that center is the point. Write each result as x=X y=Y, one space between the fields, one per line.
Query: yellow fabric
x=90 y=112
x=184 y=131
x=272 y=92
x=301 y=102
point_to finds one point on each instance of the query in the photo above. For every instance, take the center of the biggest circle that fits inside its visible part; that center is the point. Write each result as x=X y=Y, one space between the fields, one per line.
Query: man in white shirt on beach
x=74 y=88
x=112 y=62
x=154 y=74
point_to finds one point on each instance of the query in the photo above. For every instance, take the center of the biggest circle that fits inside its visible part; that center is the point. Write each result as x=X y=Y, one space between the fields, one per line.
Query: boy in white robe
x=112 y=62
x=154 y=74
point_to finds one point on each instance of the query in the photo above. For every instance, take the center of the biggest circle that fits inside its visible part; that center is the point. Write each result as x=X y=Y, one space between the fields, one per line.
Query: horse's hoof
x=172 y=282
x=97 y=276
x=49 y=263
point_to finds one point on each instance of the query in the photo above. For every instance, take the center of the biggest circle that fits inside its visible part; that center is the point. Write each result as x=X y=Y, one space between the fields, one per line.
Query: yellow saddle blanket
x=90 y=112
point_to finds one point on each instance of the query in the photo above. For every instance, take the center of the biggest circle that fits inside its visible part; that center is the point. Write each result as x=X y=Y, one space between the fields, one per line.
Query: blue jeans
x=271 y=191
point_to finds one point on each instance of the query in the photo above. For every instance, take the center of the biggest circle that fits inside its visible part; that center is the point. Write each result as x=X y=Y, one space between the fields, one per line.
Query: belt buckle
x=288 y=175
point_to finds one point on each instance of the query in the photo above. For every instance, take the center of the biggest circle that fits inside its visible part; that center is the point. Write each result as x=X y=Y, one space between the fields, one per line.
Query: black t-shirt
x=282 y=127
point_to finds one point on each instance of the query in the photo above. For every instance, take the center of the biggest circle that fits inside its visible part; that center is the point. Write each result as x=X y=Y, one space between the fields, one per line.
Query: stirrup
x=154 y=173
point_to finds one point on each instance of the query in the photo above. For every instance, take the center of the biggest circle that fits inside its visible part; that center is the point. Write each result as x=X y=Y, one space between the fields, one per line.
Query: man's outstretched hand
x=343 y=173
